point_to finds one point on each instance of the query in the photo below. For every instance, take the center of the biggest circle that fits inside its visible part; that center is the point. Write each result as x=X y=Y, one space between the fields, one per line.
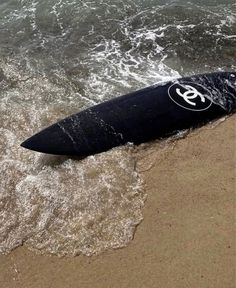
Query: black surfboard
x=154 y=112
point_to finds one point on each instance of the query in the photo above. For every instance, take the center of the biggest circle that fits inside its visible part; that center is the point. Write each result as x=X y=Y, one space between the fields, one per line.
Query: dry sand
x=187 y=238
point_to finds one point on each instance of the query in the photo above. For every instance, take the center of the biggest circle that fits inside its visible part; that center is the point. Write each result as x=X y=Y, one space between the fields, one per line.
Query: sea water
x=58 y=57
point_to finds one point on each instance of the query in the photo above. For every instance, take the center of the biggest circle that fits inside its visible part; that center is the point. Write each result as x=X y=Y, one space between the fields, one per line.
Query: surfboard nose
x=52 y=140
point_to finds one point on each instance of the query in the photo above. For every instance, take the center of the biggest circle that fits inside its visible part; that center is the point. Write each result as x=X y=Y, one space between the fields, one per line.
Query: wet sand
x=187 y=237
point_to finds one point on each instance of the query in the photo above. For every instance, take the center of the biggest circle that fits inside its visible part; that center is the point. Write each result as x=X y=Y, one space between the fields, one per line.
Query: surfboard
x=154 y=112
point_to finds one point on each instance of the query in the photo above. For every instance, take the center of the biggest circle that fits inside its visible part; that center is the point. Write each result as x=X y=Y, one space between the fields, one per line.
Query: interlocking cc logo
x=190 y=96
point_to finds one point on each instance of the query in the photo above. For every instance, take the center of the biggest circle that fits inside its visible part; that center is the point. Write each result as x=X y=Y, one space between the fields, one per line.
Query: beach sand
x=187 y=237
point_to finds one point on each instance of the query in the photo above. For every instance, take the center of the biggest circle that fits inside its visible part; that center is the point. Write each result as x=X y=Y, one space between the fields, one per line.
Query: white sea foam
x=54 y=204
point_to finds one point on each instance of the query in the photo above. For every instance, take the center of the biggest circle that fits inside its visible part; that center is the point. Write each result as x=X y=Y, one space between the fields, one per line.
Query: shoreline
x=186 y=238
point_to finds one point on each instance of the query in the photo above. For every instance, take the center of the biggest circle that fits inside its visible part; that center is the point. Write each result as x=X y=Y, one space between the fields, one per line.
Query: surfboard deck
x=150 y=113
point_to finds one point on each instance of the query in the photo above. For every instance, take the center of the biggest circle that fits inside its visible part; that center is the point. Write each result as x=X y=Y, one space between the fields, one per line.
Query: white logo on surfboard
x=190 y=93
x=193 y=97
